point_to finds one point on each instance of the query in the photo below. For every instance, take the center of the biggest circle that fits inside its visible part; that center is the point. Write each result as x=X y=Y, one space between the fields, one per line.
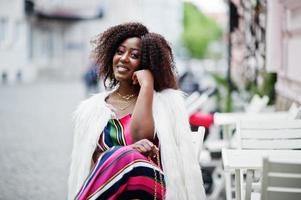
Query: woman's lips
x=122 y=69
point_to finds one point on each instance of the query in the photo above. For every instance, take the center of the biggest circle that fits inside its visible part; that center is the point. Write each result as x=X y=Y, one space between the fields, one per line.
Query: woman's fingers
x=142 y=77
x=154 y=151
x=146 y=147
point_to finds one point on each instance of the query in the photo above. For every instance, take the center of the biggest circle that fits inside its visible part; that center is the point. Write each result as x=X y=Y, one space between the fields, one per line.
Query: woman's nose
x=124 y=57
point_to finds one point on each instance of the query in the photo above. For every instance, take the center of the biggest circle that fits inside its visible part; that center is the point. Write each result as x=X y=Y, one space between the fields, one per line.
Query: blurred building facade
x=44 y=37
x=13 y=44
x=265 y=36
x=52 y=38
x=283 y=49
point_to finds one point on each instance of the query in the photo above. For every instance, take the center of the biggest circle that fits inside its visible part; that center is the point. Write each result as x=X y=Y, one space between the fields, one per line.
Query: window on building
x=3 y=29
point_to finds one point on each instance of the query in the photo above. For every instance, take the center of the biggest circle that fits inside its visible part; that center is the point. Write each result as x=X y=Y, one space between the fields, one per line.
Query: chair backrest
x=257 y=104
x=269 y=134
x=281 y=180
x=294 y=112
x=197 y=141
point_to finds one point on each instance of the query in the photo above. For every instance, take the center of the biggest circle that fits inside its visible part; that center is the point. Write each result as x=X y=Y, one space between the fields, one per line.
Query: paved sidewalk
x=36 y=139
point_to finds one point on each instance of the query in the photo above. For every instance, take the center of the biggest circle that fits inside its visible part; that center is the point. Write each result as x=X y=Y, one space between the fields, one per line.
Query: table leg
x=237 y=185
x=228 y=186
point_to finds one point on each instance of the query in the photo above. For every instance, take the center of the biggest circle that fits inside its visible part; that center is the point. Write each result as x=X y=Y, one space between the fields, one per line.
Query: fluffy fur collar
x=182 y=174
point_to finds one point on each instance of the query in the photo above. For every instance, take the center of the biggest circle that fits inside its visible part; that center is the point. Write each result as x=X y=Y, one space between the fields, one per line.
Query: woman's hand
x=143 y=77
x=142 y=122
x=145 y=147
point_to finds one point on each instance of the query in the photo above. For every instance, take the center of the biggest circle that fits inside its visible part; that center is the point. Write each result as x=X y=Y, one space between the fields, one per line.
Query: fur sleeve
x=90 y=118
x=172 y=123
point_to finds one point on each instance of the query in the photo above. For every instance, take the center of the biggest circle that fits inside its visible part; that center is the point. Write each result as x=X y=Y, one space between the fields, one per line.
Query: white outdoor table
x=237 y=159
x=232 y=118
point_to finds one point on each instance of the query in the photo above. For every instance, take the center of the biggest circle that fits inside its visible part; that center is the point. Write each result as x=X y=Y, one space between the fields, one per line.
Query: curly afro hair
x=156 y=54
x=107 y=44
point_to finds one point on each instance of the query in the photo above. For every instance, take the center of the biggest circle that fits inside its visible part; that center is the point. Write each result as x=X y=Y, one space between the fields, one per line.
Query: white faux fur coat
x=181 y=171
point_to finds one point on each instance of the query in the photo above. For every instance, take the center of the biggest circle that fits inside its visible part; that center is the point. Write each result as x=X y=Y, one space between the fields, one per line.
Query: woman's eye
x=119 y=51
x=135 y=56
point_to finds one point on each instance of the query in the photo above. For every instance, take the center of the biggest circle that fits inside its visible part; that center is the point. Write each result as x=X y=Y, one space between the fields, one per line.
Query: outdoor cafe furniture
x=250 y=160
x=265 y=137
x=280 y=180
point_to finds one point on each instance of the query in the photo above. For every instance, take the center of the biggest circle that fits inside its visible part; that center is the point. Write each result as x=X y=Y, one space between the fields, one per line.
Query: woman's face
x=127 y=59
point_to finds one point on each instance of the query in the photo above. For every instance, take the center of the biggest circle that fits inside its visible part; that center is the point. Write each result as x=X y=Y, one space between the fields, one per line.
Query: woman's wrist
x=147 y=85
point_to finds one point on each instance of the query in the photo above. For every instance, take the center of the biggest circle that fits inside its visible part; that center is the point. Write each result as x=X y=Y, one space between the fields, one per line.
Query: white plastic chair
x=235 y=142
x=197 y=141
x=294 y=112
x=227 y=121
x=281 y=180
x=267 y=134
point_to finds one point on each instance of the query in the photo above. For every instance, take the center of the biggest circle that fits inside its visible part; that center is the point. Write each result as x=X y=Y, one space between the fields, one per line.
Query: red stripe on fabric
x=120 y=190
x=109 y=177
x=137 y=182
x=108 y=172
x=106 y=167
x=141 y=183
x=125 y=121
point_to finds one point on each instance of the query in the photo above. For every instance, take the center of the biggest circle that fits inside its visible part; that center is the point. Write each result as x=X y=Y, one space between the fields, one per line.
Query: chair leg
x=218 y=184
x=249 y=181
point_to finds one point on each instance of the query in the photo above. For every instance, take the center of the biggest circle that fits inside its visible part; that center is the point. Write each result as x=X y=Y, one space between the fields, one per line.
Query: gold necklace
x=124 y=101
x=126 y=97
x=126 y=104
